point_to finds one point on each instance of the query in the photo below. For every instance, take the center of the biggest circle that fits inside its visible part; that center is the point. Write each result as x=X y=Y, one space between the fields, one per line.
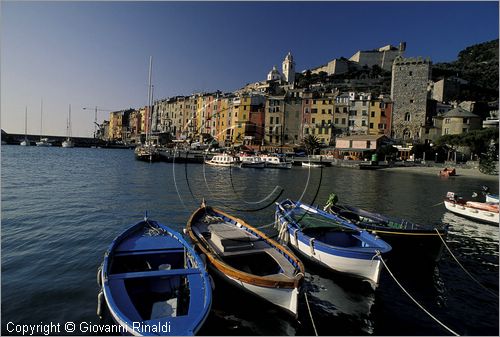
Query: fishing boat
x=68 y=142
x=330 y=241
x=223 y=159
x=44 y=142
x=247 y=258
x=25 y=142
x=482 y=211
x=405 y=237
x=312 y=164
x=276 y=162
x=148 y=151
x=251 y=162
x=154 y=283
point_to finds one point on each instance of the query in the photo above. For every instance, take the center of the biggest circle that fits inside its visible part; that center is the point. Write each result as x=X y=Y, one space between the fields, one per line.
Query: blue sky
x=95 y=53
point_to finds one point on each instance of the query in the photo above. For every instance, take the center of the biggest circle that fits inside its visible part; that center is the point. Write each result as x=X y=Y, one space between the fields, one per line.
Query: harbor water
x=61 y=208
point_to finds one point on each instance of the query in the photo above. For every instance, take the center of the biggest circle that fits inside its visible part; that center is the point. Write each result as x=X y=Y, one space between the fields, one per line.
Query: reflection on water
x=61 y=209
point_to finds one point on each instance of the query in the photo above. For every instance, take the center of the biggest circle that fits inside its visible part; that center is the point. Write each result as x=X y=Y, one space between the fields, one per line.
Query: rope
x=461 y=266
x=442 y=202
x=406 y=292
x=310 y=314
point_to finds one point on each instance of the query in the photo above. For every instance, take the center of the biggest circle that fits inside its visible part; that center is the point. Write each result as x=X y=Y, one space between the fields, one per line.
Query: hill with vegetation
x=477 y=64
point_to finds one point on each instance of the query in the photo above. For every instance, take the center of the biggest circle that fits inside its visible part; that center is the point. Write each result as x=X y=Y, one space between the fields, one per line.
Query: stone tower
x=409 y=93
x=289 y=69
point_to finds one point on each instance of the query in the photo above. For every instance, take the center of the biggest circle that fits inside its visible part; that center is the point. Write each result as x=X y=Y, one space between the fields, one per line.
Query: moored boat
x=223 y=159
x=276 y=162
x=251 y=162
x=492 y=198
x=330 y=241
x=153 y=282
x=482 y=211
x=247 y=258
x=147 y=152
x=406 y=238
x=312 y=164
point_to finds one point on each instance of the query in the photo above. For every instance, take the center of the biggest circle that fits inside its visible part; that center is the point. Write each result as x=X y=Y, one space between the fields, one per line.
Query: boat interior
x=151 y=278
x=241 y=249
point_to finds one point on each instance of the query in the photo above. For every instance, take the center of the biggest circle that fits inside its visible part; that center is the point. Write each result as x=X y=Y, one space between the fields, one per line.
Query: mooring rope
x=406 y=292
x=439 y=203
x=463 y=268
x=310 y=314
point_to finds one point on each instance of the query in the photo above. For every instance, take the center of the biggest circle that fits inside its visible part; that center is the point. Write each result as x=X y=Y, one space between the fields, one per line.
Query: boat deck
x=244 y=251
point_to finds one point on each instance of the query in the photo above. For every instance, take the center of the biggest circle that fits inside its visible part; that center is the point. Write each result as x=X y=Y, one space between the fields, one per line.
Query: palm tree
x=311 y=143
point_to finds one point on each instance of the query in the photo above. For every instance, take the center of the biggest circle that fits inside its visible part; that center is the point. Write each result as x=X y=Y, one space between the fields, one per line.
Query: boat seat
x=122 y=300
x=154 y=273
x=148 y=252
x=228 y=238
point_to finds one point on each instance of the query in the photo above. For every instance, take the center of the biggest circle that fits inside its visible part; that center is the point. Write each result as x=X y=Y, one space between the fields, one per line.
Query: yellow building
x=115 y=125
x=321 y=119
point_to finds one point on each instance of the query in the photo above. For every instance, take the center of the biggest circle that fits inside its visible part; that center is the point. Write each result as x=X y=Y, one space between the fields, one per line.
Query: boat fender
x=100 y=298
x=311 y=245
x=296 y=236
x=99 y=278
x=212 y=283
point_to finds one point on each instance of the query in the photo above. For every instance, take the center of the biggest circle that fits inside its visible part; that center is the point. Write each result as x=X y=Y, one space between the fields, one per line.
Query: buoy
x=100 y=298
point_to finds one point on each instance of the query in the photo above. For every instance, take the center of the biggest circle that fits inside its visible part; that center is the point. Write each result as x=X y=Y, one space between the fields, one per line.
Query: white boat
x=482 y=211
x=25 y=142
x=492 y=198
x=311 y=164
x=247 y=258
x=276 y=162
x=223 y=160
x=43 y=141
x=252 y=162
x=330 y=241
x=68 y=142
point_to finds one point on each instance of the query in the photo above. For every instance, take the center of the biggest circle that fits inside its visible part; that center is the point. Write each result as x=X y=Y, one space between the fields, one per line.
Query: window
x=373 y=114
x=277 y=120
x=323 y=111
x=244 y=107
x=336 y=121
x=330 y=111
x=447 y=121
x=307 y=101
x=313 y=120
x=407 y=117
x=363 y=123
x=464 y=130
x=313 y=131
x=411 y=101
x=368 y=144
x=244 y=116
x=320 y=131
x=446 y=131
x=364 y=103
x=411 y=73
x=371 y=125
x=343 y=121
x=466 y=121
x=314 y=111
x=314 y=101
x=271 y=119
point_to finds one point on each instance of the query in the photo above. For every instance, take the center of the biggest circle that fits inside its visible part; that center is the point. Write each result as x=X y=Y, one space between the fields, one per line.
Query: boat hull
x=276 y=289
x=471 y=212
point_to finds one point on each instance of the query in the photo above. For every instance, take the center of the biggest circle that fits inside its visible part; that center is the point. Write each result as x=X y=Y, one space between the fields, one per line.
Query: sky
x=93 y=53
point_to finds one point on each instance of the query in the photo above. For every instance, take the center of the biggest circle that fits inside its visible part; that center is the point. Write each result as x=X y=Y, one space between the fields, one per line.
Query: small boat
x=330 y=241
x=447 y=172
x=492 y=198
x=312 y=164
x=223 y=160
x=26 y=141
x=403 y=236
x=68 y=143
x=276 y=162
x=245 y=257
x=43 y=141
x=251 y=162
x=154 y=283
x=147 y=152
x=482 y=211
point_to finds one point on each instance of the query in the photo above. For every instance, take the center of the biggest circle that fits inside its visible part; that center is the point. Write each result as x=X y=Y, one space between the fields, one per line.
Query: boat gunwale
x=119 y=315
x=223 y=267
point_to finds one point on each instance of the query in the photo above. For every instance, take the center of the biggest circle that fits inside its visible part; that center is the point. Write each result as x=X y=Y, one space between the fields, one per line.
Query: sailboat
x=43 y=141
x=148 y=151
x=68 y=142
x=25 y=142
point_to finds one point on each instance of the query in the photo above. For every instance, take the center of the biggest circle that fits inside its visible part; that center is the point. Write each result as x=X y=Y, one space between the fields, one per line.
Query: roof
x=459 y=112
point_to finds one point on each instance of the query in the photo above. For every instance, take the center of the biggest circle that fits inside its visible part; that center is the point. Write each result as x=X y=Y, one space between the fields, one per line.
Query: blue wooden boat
x=154 y=283
x=410 y=241
x=330 y=241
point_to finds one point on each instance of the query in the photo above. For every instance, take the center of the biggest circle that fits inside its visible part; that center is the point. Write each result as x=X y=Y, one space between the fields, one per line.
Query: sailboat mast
x=41 y=118
x=26 y=123
x=148 y=133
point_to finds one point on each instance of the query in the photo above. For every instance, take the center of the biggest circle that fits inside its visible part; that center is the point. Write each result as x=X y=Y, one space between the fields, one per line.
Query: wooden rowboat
x=244 y=256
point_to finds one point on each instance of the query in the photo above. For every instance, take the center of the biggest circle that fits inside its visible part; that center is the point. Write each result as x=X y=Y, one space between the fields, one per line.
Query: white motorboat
x=223 y=160
x=482 y=211
x=252 y=162
x=276 y=162
x=311 y=164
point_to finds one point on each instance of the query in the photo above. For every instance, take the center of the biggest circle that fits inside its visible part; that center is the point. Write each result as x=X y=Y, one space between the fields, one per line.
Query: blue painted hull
x=154 y=283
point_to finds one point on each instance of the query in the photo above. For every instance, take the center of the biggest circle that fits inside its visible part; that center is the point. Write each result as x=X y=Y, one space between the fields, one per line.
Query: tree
x=311 y=143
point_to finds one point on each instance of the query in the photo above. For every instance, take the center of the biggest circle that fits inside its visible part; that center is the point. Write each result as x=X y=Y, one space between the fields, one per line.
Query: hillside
x=477 y=64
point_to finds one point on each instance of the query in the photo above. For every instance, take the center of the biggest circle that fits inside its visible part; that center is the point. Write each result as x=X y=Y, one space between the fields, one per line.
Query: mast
x=150 y=94
x=26 y=123
x=41 y=117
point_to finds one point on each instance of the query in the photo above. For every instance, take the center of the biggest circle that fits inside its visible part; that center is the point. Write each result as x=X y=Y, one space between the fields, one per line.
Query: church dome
x=273 y=74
